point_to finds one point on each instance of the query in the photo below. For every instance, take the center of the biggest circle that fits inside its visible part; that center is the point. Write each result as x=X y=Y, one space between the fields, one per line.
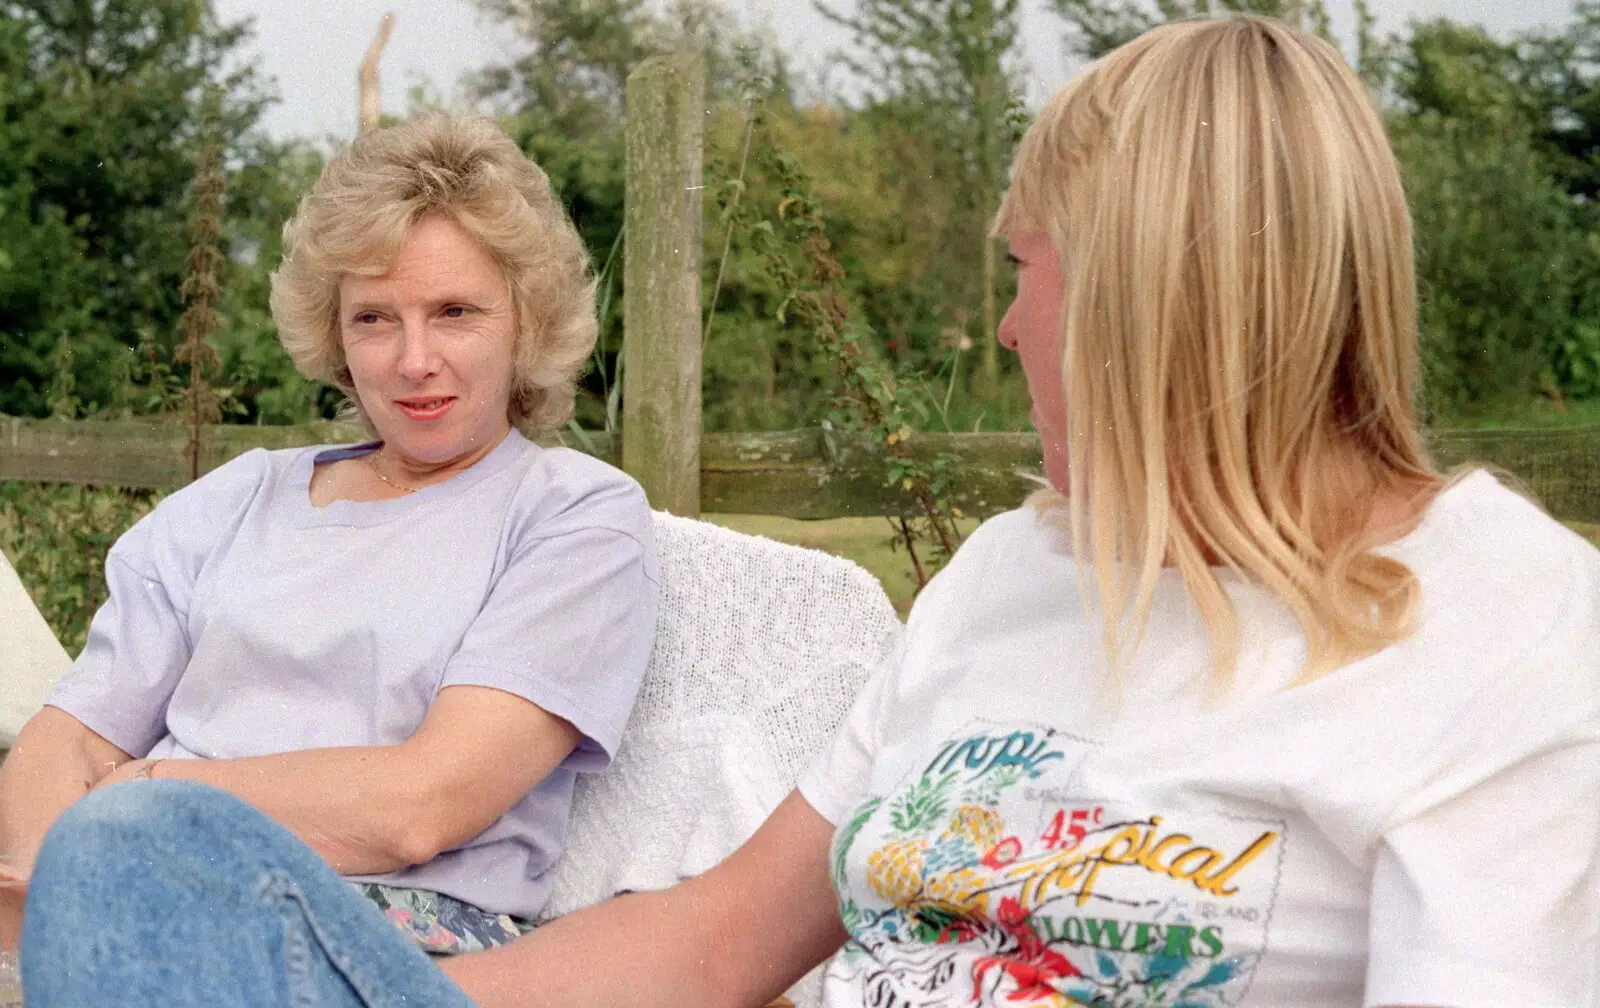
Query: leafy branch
x=868 y=397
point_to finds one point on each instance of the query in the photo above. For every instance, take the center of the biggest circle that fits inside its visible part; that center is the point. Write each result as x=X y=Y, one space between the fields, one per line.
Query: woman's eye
x=367 y=318
x=455 y=311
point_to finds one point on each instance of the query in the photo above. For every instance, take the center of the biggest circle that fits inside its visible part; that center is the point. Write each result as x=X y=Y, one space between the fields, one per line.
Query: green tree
x=562 y=94
x=1561 y=69
x=265 y=184
x=1487 y=137
x=1095 y=27
x=100 y=123
x=949 y=73
x=1499 y=261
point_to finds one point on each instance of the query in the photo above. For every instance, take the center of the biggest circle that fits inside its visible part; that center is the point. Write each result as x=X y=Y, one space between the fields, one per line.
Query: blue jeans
x=171 y=894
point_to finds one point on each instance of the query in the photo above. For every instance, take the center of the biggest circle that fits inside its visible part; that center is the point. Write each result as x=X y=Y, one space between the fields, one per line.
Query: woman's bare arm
x=56 y=760
x=735 y=937
x=373 y=809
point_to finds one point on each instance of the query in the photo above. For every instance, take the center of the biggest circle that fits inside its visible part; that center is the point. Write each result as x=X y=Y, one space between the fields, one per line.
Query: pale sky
x=313 y=47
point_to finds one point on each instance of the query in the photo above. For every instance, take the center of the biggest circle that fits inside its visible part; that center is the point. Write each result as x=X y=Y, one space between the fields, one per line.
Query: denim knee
x=139 y=809
x=137 y=817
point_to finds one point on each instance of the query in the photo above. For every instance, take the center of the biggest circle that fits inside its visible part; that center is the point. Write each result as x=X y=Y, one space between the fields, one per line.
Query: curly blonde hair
x=1239 y=330
x=358 y=215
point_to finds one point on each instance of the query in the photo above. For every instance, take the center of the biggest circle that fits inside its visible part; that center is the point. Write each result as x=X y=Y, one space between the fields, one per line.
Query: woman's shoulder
x=1029 y=535
x=560 y=490
x=188 y=522
x=230 y=488
x=1491 y=557
x=239 y=477
x=1035 y=525
x=1480 y=529
x=1012 y=559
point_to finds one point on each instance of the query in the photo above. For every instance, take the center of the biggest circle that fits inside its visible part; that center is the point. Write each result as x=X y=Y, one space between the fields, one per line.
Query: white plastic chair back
x=31 y=659
x=760 y=649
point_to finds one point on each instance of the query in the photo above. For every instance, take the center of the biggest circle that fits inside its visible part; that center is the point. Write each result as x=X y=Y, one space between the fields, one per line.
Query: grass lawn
x=866 y=541
x=1541 y=413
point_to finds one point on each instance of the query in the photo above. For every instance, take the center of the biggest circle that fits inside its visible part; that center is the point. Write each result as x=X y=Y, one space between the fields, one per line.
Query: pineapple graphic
x=898 y=871
x=923 y=806
x=980 y=826
x=963 y=891
x=895 y=871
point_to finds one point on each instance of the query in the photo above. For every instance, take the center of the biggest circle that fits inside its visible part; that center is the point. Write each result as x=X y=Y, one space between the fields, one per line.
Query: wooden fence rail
x=795 y=474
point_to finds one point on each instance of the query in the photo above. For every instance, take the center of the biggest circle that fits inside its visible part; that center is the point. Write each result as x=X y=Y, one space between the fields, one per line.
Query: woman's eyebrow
x=1011 y=257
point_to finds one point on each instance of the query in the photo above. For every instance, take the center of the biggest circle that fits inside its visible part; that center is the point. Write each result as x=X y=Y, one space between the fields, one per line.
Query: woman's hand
x=14 y=872
x=127 y=771
x=13 y=896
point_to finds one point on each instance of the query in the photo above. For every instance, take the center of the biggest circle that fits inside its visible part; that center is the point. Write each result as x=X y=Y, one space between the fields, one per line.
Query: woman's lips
x=426 y=410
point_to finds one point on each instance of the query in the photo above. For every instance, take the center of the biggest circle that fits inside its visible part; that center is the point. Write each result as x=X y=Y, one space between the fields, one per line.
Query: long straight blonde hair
x=1239 y=331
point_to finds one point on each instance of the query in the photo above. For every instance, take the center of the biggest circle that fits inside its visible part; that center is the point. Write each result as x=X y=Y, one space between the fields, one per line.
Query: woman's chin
x=429 y=448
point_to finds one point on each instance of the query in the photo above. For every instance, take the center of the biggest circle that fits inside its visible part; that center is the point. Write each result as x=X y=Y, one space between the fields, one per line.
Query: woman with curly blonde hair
x=401 y=651
x=1251 y=706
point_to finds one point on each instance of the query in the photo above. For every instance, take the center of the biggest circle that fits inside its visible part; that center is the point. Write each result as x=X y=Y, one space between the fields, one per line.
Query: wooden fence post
x=661 y=298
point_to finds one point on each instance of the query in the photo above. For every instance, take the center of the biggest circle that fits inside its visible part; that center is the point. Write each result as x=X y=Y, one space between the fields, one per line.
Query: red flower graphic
x=1032 y=965
x=959 y=931
x=1002 y=853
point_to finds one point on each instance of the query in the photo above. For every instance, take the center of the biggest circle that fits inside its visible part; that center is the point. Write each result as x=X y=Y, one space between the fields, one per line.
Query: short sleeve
x=570 y=622
x=136 y=652
x=138 y=644
x=1491 y=899
x=1488 y=894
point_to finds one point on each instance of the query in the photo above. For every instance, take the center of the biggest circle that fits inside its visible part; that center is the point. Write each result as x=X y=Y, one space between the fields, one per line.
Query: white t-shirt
x=1421 y=827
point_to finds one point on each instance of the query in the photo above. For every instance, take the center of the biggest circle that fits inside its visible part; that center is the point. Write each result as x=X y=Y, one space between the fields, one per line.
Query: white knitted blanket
x=31 y=659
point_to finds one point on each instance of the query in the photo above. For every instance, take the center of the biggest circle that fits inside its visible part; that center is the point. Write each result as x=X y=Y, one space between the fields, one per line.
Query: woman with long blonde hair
x=1250 y=706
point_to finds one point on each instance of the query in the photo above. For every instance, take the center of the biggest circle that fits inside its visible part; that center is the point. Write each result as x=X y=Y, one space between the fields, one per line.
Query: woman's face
x=1032 y=327
x=430 y=346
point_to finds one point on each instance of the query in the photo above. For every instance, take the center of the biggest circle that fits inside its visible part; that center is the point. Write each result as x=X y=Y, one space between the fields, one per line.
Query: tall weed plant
x=57 y=537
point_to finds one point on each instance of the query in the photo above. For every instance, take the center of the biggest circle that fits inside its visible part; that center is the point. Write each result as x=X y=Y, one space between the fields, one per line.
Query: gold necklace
x=373 y=458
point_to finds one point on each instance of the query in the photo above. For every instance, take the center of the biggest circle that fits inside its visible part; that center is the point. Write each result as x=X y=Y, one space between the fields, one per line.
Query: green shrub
x=57 y=538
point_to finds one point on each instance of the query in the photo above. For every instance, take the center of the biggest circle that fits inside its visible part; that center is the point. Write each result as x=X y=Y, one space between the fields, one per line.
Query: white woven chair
x=31 y=659
x=760 y=649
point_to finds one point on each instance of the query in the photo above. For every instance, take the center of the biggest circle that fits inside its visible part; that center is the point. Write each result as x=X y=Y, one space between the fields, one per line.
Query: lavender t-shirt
x=244 y=621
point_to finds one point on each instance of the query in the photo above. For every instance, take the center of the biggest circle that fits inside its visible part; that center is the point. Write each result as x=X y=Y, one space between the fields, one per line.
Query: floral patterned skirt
x=440 y=924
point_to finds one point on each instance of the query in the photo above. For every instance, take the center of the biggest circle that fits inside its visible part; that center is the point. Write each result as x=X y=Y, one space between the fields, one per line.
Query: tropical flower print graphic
x=988 y=878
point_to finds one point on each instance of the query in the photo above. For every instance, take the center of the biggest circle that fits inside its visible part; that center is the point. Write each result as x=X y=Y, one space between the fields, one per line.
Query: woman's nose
x=1006 y=332
x=418 y=358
